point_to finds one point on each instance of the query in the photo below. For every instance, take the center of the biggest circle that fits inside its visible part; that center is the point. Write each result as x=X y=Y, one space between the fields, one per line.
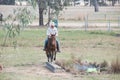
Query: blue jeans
x=46 y=42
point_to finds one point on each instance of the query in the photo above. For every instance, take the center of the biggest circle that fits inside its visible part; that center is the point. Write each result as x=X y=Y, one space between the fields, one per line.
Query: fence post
x=1 y=18
x=86 y=22
x=118 y=21
x=109 y=27
x=105 y=17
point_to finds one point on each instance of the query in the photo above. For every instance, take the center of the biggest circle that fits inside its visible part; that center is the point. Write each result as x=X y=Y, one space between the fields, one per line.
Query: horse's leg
x=47 y=53
x=48 y=57
x=55 y=55
x=51 y=56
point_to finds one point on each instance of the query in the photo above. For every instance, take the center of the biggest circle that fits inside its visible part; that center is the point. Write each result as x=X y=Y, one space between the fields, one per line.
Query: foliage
x=52 y=7
x=56 y=7
x=33 y=3
x=13 y=24
x=7 y=2
x=67 y=2
x=115 y=66
x=103 y=66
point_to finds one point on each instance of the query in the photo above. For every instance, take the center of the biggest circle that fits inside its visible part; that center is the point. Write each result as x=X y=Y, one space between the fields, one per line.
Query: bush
x=103 y=66
x=115 y=66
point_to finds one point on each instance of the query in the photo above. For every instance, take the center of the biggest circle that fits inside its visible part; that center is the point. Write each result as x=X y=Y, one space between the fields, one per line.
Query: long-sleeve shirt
x=52 y=31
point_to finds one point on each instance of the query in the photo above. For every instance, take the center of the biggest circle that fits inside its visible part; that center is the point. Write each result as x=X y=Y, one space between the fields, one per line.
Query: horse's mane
x=52 y=42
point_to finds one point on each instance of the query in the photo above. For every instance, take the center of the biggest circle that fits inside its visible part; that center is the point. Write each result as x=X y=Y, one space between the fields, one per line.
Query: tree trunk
x=113 y=2
x=91 y=2
x=49 y=13
x=41 y=17
x=40 y=13
x=96 y=5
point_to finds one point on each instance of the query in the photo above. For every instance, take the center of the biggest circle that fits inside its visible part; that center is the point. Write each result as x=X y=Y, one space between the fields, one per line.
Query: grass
x=87 y=45
x=18 y=76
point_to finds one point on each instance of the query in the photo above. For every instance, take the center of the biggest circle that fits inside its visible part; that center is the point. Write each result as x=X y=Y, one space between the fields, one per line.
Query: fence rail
x=109 y=21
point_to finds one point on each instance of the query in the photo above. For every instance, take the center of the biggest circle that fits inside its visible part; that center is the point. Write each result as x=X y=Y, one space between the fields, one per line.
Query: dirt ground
x=36 y=70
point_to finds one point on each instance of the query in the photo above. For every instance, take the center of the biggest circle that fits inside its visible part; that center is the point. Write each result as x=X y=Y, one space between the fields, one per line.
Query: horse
x=51 y=48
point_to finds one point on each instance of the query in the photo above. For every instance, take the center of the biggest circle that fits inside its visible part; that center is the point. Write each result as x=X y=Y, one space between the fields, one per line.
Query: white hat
x=52 y=24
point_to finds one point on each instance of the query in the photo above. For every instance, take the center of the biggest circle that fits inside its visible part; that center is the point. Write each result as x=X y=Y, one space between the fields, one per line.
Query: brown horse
x=51 y=48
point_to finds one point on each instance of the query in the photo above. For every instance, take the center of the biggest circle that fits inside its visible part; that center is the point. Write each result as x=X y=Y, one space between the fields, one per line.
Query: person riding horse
x=52 y=30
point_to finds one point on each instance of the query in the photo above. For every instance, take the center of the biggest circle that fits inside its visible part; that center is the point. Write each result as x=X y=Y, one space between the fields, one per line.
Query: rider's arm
x=56 y=31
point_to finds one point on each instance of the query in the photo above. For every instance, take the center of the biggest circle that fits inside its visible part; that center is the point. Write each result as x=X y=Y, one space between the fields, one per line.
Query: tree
x=42 y=6
x=53 y=6
x=14 y=24
x=7 y=2
x=96 y=5
x=67 y=2
x=113 y=2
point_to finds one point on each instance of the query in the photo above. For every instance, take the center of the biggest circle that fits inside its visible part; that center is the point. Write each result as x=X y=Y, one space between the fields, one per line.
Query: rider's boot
x=45 y=46
x=58 y=49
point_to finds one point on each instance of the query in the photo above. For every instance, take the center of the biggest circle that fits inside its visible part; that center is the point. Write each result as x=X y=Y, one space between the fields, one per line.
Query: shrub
x=103 y=66
x=115 y=66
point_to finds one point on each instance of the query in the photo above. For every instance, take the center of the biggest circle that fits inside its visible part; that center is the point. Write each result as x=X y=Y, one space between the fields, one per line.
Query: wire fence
x=102 y=21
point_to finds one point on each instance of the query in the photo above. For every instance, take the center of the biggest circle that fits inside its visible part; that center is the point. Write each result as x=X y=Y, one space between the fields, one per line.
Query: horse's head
x=53 y=36
x=52 y=40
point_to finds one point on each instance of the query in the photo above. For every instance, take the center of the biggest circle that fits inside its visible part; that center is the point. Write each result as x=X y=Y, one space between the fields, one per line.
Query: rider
x=55 y=21
x=51 y=30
